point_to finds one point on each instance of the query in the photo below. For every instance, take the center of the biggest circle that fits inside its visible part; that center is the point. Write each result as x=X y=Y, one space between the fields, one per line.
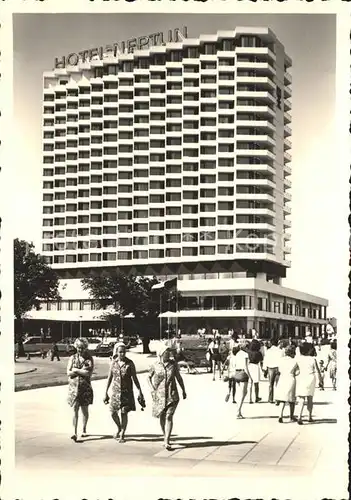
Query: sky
x=319 y=190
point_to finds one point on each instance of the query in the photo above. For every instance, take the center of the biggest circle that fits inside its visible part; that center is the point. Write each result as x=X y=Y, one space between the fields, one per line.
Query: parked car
x=130 y=341
x=93 y=343
x=37 y=345
x=66 y=346
x=104 y=349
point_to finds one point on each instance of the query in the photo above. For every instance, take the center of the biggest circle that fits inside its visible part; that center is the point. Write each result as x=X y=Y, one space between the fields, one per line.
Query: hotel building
x=174 y=161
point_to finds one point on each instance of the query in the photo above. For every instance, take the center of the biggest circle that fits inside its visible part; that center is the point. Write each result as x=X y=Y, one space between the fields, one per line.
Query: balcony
x=255 y=94
x=255 y=197
x=287 y=131
x=255 y=182
x=287 y=196
x=261 y=124
x=266 y=66
x=260 y=167
x=255 y=225
x=255 y=211
x=256 y=50
x=287 y=105
x=287 y=92
x=255 y=152
x=287 y=144
x=287 y=78
x=264 y=139
x=255 y=108
x=287 y=118
x=287 y=156
x=257 y=80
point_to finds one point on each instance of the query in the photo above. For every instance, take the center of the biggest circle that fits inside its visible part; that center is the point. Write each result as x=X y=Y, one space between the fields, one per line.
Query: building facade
x=174 y=161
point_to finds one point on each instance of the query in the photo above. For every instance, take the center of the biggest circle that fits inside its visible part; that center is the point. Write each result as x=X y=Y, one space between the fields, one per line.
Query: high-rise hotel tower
x=174 y=160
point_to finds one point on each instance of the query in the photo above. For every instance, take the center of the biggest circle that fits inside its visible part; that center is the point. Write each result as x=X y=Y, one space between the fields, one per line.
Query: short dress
x=122 y=395
x=216 y=355
x=286 y=387
x=80 y=391
x=306 y=380
x=165 y=397
x=332 y=363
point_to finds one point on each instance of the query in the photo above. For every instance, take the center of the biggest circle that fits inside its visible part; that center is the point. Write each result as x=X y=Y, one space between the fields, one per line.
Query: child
x=322 y=370
x=230 y=361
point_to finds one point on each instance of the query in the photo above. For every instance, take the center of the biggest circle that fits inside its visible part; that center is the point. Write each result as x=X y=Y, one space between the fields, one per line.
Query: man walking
x=54 y=352
x=270 y=364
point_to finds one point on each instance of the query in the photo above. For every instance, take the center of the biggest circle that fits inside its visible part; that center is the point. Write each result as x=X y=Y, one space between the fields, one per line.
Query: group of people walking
x=292 y=371
x=164 y=378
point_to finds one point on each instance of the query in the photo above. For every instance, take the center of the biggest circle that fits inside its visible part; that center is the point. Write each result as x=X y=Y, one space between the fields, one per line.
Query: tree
x=34 y=279
x=130 y=294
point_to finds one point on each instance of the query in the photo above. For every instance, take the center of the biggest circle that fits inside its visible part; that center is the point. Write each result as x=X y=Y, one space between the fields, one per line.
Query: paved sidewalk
x=208 y=440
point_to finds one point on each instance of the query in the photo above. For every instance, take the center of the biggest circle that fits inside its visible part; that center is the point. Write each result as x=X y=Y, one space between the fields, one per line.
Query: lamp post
x=80 y=326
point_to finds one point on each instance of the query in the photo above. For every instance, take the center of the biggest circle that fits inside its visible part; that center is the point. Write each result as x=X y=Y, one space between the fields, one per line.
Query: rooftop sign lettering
x=123 y=47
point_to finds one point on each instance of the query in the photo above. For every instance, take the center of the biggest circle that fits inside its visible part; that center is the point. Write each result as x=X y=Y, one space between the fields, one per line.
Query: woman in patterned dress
x=80 y=392
x=122 y=375
x=163 y=378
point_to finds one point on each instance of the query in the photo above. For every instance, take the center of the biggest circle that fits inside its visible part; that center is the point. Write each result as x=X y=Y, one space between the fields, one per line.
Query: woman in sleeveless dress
x=122 y=375
x=306 y=380
x=80 y=393
x=163 y=378
x=286 y=387
x=216 y=357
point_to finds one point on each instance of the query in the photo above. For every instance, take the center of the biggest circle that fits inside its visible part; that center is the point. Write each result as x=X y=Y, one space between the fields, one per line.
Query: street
x=208 y=440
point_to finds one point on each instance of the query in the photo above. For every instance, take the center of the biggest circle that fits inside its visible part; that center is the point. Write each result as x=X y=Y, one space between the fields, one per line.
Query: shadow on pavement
x=324 y=421
x=321 y=403
x=207 y=444
x=263 y=416
x=95 y=437
x=157 y=437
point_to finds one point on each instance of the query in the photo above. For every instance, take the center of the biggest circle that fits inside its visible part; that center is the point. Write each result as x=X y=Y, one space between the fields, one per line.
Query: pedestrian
x=270 y=365
x=242 y=375
x=231 y=363
x=332 y=363
x=216 y=357
x=286 y=387
x=306 y=380
x=255 y=365
x=80 y=393
x=163 y=378
x=55 y=352
x=122 y=375
x=322 y=371
x=233 y=342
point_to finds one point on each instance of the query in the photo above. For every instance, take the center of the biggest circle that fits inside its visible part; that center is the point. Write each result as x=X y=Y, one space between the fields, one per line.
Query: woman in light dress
x=80 y=393
x=163 y=378
x=122 y=375
x=286 y=387
x=306 y=380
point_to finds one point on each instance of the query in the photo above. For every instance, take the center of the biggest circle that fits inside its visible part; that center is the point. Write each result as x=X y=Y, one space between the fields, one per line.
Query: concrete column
x=262 y=276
